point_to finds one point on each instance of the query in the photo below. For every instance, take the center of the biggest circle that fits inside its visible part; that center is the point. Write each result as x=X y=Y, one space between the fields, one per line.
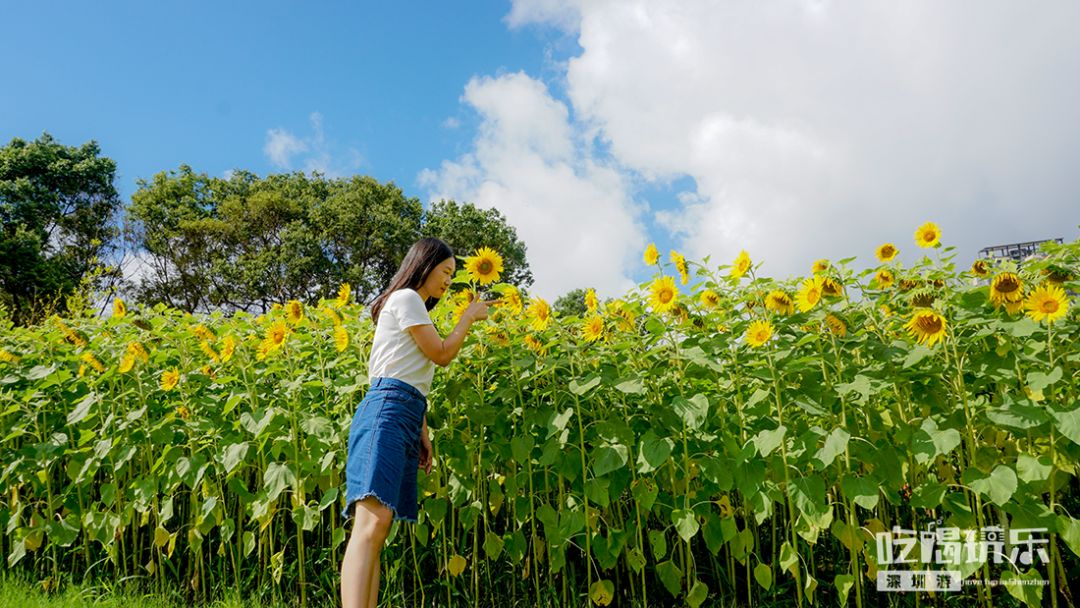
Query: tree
x=57 y=205
x=571 y=303
x=246 y=242
x=466 y=228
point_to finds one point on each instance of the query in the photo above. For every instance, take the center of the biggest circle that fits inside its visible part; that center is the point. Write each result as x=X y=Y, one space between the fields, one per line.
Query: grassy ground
x=20 y=593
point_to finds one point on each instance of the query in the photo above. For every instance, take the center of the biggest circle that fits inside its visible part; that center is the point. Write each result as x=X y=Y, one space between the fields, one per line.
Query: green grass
x=18 y=592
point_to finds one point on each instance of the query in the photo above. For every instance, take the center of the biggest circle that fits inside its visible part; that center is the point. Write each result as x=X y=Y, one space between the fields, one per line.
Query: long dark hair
x=421 y=259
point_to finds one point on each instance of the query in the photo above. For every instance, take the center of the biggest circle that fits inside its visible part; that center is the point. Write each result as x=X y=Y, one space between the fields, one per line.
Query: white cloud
x=314 y=150
x=816 y=129
x=574 y=213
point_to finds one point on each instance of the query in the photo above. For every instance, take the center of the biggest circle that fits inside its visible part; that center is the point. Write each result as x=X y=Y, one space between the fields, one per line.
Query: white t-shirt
x=394 y=353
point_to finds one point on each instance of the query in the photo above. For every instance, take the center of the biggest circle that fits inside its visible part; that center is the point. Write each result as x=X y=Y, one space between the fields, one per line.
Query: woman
x=389 y=431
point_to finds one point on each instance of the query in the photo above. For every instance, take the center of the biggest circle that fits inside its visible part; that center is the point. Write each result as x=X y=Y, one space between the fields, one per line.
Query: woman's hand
x=478 y=309
x=425 y=452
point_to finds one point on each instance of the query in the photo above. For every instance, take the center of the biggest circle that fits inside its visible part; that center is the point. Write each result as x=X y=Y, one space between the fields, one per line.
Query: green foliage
x=57 y=205
x=246 y=243
x=571 y=303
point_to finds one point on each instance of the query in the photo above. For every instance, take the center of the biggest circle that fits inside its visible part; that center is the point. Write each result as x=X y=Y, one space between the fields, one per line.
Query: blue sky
x=796 y=130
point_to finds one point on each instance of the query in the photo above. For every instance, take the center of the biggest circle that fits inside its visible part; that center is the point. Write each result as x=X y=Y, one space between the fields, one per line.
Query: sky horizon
x=794 y=130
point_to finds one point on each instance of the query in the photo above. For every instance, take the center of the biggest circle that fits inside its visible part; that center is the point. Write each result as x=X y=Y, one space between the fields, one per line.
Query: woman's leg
x=360 y=567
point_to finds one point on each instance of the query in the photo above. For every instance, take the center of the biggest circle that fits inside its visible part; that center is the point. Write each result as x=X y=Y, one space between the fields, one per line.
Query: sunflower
x=820 y=266
x=294 y=311
x=485 y=266
x=1006 y=289
x=332 y=314
x=680 y=265
x=7 y=357
x=127 y=361
x=980 y=268
x=533 y=344
x=927 y=327
x=622 y=316
x=1056 y=275
x=709 y=299
x=169 y=379
x=343 y=294
x=540 y=312
x=780 y=302
x=592 y=329
x=203 y=333
x=836 y=325
x=498 y=335
x=183 y=412
x=511 y=300
x=590 y=299
x=664 y=294
x=886 y=252
x=1048 y=302
x=275 y=335
x=119 y=309
x=462 y=299
x=809 y=294
x=831 y=287
x=758 y=333
x=740 y=265
x=138 y=350
x=928 y=235
x=228 y=346
x=209 y=351
x=884 y=278
x=652 y=255
x=922 y=297
x=92 y=361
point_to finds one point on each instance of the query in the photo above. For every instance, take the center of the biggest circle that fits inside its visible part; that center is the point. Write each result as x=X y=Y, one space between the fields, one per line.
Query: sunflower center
x=1008 y=286
x=665 y=296
x=1049 y=306
x=928 y=235
x=485 y=266
x=929 y=325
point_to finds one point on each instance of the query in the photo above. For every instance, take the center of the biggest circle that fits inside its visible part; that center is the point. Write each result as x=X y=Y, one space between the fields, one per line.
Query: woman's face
x=438 y=280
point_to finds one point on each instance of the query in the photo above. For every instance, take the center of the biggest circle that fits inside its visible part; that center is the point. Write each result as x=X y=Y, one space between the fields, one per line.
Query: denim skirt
x=384 y=448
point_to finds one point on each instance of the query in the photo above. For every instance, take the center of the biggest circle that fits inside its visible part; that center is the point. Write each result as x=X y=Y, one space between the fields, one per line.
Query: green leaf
x=930 y=441
x=1030 y=594
x=698 y=594
x=582 y=388
x=658 y=542
x=1068 y=423
x=686 y=523
x=768 y=440
x=644 y=491
x=1038 y=381
x=633 y=386
x=917 y=354
x=671 y=576
x=608 y=458
x=234 y=455
x=789 y=559
x=276 y=478
x=1030 y=469
x=654 y=452
x=636 y=559
x=82 y=408
x=863 y=491
x=521 y=447
x=763 y=576
x=999 y=485
x=843 y=584
x=835 y=444
x=602 y=592
x=1069 y=529
x=493 y=545
x=693 y=411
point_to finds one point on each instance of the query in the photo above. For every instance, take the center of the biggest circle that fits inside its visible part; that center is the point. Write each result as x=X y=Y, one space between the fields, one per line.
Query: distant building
x=1018 y=252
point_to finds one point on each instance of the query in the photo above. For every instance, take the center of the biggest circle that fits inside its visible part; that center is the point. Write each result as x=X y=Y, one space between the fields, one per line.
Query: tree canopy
x=245 y=242
x=57 y=206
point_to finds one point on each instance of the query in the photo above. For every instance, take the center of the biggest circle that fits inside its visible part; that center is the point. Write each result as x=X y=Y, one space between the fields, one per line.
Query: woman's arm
x=443 y=350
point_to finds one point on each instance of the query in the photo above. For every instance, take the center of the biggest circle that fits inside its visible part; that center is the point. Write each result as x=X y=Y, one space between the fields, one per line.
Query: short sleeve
x=410 y=310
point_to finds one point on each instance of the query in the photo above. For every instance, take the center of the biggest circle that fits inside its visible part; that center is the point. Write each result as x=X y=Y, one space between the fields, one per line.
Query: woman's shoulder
x=404 y=292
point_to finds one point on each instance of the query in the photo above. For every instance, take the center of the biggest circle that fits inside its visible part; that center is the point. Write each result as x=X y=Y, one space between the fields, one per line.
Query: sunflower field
x=713 y=437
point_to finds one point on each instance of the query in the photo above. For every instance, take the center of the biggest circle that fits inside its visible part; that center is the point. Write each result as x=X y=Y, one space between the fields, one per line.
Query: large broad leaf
x=276 y=478
x=644 y=491
x=82 y=408
x=930 y=441
x=654 y=452
x=693 y=411
x=863 y=491
x=584 y=387
x=608 y=458
x=1023 y=586
x=1037 y=381
x=1068 y=423
x=763 y=575
x=658 y=543
x=686 y=523
x=768 y=440
x=602 y=592
x=1069 y=529
x=843 y=584
x=493 y=545
x=835 y=444
x=671 y=576
x=999 y=485
x=233 y=456
x=699 y=592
